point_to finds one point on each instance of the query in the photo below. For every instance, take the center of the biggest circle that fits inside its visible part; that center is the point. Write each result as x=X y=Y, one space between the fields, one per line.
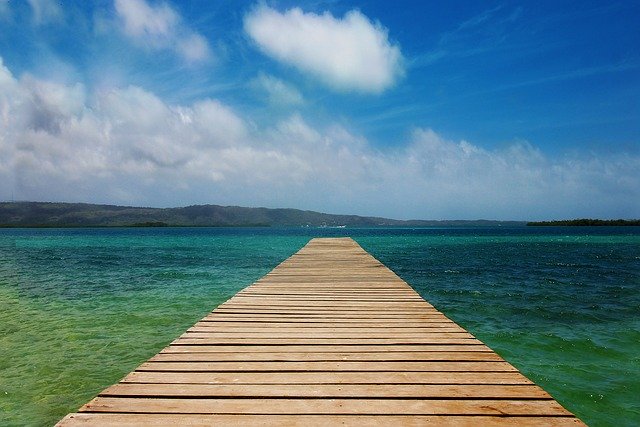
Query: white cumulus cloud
x=348 y=54
x=161 y=27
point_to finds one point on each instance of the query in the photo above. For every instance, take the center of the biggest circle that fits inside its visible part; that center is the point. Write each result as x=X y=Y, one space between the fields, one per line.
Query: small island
x=586 y=222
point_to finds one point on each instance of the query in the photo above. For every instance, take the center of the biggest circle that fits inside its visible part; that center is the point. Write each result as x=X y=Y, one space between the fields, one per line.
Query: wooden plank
x=391 y=321
x=324 y=357
x=375 y=349
x=330 y=336
x=429 y=366
x=361 y=391
x=348 y=317
x=324 y=341
x=335 y=304
x=328 y=310
x=498 y=407
x=200 y=420
x=205 y=333
x=332 y=331
x=309 y=378
x=211 y=323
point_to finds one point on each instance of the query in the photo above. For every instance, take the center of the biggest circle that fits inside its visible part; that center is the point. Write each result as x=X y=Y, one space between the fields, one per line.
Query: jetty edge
x=330 y=336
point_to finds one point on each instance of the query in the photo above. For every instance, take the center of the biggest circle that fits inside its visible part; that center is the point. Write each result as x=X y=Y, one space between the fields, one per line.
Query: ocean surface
x=80 y=308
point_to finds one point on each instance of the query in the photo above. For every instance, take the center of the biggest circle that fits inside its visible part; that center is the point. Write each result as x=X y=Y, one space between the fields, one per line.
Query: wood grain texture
x=329 y=337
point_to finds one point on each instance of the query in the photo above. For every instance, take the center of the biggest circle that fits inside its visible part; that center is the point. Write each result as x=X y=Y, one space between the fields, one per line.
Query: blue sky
x=432 y=110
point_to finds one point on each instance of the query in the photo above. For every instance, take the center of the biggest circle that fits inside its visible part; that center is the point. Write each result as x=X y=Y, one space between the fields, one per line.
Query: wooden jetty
x=330 y=336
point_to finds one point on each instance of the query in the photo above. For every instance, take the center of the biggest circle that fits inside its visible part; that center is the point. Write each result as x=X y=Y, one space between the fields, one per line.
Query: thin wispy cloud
x=46 y=11
x=470 y=24
x=161 y=27
x=479 y=34
x=277 y=91
x=5 y=11
x=574 y=74
x=348 y=54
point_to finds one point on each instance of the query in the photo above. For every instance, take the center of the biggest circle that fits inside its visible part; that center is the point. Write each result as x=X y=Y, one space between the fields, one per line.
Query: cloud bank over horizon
x=127 y=146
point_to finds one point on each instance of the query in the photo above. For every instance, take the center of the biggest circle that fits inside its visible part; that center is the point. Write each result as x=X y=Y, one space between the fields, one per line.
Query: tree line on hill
x=588 y=222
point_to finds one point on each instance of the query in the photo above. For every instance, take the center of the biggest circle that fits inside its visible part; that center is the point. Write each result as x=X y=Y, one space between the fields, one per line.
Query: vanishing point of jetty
x=330 y=336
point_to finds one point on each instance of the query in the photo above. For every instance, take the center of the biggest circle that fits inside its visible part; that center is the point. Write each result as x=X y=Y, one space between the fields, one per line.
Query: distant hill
x=587 y=222
x=40 y=214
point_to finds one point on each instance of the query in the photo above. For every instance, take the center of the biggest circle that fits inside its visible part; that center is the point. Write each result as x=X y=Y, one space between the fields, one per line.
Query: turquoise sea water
x=80 y=308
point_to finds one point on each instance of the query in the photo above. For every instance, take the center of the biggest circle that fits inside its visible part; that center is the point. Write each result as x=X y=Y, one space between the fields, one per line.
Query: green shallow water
x=79 y=309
